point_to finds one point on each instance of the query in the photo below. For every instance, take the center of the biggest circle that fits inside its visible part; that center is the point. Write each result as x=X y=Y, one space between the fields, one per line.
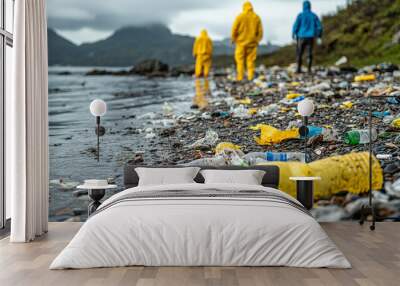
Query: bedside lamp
x=306 y=109
x=98 y=108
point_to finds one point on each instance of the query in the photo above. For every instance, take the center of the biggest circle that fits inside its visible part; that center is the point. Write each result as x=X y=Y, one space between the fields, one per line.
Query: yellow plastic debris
x=270 y=135
x=245 y=101
x=339 y=173
x=252 y=111
x=295 y=83
x=293 y=95
x=366 y=77
x=396 y=123
x=347 y=105
x=285 y=109
x=226 y=145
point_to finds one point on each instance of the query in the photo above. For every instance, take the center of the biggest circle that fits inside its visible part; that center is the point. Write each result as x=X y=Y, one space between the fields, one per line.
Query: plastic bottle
x=356 y=137
x=285 y=157
x=254 y=158
x=314 y=131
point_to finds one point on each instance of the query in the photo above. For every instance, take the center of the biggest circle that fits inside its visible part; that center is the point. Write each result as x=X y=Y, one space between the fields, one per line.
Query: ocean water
x=72 y=128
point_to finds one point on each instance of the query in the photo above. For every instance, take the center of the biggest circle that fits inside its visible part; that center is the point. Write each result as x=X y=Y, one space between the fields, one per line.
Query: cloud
x=92 y=19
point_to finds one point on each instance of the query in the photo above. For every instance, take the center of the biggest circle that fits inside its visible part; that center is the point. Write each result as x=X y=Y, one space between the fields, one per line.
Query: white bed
x=200 y=231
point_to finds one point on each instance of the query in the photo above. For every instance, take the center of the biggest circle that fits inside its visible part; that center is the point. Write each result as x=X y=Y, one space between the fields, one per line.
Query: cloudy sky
x=91 y=20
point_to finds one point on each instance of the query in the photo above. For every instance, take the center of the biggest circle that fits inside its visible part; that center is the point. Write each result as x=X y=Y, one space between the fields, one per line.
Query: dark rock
x=187 y=70
x=150 y=68
x=97 y=72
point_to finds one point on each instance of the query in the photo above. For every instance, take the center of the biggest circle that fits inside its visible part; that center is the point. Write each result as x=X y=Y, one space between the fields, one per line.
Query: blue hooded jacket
x=307 y=24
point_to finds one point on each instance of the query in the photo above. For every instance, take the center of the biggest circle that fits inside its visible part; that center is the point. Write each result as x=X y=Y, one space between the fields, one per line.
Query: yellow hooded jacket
x=247 y=29
x=203 y=45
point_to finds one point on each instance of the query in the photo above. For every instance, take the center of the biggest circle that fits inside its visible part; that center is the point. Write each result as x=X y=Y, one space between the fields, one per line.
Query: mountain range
x=131 y=45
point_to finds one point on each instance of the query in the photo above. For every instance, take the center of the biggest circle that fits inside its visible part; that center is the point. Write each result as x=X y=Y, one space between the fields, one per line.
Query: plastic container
x=356 y=137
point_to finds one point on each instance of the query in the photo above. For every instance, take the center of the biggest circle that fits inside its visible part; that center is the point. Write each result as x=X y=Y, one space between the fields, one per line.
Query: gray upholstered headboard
x=271 y=177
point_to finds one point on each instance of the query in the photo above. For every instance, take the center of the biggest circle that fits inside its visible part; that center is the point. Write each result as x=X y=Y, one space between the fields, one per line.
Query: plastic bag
x=270 y=135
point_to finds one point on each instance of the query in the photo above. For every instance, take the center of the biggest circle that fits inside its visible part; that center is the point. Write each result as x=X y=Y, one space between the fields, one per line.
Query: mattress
x=201 y=225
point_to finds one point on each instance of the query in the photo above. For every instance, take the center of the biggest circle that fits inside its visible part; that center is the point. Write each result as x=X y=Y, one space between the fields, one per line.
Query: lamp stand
x=304 y=132
x=369 y=210
x=306 y=137
x=98 y=137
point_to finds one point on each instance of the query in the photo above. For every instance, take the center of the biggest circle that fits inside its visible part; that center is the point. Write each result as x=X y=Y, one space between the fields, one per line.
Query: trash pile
x=257 y=122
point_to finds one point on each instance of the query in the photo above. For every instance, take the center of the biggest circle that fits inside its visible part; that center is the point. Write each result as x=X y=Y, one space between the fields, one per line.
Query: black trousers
x=302 y=45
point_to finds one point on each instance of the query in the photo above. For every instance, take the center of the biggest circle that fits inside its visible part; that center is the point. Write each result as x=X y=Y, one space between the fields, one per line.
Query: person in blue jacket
x=306 y=29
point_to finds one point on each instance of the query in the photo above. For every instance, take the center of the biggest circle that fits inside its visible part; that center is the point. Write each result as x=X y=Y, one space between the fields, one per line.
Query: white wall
x=8 y=84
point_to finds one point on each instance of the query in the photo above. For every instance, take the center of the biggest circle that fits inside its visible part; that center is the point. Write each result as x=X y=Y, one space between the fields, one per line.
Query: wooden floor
x=375 y=257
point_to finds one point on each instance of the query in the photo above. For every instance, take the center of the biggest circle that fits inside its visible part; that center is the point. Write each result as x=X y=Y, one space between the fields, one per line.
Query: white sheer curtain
x=27 y=124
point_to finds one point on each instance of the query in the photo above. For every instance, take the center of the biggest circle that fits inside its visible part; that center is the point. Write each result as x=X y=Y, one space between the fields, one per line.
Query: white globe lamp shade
x=98 y=107
x=306 y=107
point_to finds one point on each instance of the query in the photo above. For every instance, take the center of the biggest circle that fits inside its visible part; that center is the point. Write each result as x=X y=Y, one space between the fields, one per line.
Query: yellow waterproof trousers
x=202 y=92
x=248 y=55
x=203 y=65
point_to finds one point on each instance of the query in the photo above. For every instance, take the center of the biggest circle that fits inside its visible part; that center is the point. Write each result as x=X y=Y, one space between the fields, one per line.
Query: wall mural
x=237 y=105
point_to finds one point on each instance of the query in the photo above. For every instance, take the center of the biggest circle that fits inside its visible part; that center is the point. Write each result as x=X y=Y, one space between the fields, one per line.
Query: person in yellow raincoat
x=202 y=51
x=247 y=32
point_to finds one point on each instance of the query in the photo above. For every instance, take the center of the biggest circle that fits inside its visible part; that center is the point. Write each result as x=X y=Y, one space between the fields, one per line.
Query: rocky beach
x=188 y=121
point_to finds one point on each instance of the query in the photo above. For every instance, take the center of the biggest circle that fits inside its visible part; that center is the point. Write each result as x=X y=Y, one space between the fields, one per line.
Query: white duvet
x=200 y=232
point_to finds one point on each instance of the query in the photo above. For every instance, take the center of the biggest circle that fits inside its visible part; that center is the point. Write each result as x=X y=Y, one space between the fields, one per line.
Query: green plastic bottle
x=356 y=137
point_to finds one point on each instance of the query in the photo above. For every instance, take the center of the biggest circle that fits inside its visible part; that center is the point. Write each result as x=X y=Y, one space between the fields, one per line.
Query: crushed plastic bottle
x=329 y=134
x=314 y=131
x=285 y=156
x=356 y=137
x=210 y=139
x=255 y=158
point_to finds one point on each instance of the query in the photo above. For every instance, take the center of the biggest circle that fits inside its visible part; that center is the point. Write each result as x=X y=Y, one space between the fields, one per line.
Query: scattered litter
x=210 y=140
x=270 y=135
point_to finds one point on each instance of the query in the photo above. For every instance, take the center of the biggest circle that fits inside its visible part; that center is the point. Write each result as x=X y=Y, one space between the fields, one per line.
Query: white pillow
x=166 y=176
x=242 y=177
